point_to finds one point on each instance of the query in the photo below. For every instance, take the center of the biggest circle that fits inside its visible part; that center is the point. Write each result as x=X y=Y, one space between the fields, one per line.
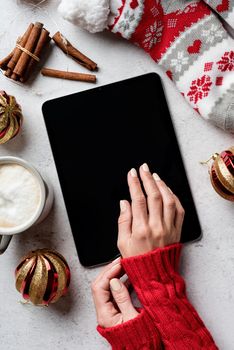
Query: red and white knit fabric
x=188 y=39
x=167 y=319
x=224 y=8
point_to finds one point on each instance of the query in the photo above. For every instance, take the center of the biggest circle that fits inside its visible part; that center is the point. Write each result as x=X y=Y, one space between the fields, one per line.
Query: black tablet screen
x=97 y=136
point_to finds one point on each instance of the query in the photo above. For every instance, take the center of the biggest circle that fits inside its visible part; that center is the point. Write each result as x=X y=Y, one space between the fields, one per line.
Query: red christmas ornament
x=42 y=276
x=222 y=173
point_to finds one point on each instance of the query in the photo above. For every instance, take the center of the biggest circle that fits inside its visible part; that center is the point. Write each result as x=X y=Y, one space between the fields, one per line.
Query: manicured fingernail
x=133 y=172
x=156 y=177
x=115 y=284
x=122 y=206
x=145 y=167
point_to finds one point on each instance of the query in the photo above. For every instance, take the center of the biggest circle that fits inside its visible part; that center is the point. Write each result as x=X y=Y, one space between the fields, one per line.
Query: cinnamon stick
x=17 y=52
x=4 y=62
x=90 y=78
x=71 y=51
x=43 y=40
x=29 y=46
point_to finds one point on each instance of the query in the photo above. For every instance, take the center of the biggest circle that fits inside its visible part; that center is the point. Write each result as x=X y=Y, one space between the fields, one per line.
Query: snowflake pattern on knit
x=183 y=42
x=226 y=62
x=153 y=35
x=212 y=33
x=199 y=88
x=125 y=24
x=180 y=61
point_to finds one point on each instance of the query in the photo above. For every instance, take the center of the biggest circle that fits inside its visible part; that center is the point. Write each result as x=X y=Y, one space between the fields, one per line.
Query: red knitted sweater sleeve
x=161 y=291
x=137 y=334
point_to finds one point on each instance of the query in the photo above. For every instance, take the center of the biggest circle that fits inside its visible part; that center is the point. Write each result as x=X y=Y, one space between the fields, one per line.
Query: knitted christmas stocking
x=188 y=40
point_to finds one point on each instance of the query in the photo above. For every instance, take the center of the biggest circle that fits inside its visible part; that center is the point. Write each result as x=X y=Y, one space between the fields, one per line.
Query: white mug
x=46 y=201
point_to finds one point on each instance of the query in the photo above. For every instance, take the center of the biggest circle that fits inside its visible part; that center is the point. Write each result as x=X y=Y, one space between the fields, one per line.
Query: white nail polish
x=122 y=206
x=145 y=167
x=115 y=284
x=133 y=172
x=156 y=177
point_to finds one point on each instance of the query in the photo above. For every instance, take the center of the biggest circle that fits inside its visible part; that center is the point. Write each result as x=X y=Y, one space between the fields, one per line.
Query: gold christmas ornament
x=42 y=276
x=222 y=173
x=11 y=117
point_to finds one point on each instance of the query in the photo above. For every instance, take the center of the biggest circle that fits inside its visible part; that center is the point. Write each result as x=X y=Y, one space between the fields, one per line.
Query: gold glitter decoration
x=42 y=277
x=222 y=173
x=11 y=117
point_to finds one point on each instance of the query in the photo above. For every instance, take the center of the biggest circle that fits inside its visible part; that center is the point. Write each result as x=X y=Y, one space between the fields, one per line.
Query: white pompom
x=91 y=15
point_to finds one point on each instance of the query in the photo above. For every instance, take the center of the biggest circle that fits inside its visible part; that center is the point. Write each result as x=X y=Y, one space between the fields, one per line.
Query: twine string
x=36 y=58
x=38 y=7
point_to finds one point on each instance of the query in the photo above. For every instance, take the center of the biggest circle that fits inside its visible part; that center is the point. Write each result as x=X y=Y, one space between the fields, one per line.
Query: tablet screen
x=97 y=136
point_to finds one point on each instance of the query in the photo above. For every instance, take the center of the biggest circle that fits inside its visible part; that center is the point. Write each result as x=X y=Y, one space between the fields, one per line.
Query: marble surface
x=207 y=265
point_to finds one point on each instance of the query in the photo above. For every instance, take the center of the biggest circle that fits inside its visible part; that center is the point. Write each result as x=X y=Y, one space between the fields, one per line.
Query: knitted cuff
x=133 y=334
x=161 y=291
x=159 y=265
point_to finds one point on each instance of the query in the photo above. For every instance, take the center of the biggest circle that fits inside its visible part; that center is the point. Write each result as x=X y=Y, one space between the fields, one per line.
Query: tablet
x=96 y=137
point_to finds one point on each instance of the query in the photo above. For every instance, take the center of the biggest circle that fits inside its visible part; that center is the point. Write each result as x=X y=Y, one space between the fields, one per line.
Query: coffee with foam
x=20 y=196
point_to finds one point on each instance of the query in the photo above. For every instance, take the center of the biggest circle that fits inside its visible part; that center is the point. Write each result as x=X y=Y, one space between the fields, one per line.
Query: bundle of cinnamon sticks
x=19 y=64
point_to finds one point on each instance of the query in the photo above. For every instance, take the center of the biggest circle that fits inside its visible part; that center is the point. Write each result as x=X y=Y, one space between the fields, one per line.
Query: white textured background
x=208 y=265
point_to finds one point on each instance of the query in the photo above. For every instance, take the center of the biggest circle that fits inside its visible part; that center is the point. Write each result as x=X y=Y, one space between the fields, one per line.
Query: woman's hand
x=148 y=222
x=111 y=298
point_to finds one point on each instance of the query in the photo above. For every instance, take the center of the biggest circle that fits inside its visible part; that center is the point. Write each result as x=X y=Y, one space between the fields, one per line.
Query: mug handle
x=4 y=242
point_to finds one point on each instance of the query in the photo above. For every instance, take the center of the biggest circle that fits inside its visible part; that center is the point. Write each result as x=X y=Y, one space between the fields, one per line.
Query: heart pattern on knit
x=134 y=4
x=195 y=47
x=223 y=6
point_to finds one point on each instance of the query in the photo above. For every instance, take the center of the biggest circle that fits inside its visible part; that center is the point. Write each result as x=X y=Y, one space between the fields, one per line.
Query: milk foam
x=20 y=195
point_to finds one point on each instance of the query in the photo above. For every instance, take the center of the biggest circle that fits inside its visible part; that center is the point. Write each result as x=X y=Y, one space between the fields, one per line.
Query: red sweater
x=167 y=320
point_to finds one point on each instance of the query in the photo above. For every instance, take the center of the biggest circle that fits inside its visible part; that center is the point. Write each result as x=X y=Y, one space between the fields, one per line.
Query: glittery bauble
x=11 y=117
x=42 y=276
x=222 y=174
